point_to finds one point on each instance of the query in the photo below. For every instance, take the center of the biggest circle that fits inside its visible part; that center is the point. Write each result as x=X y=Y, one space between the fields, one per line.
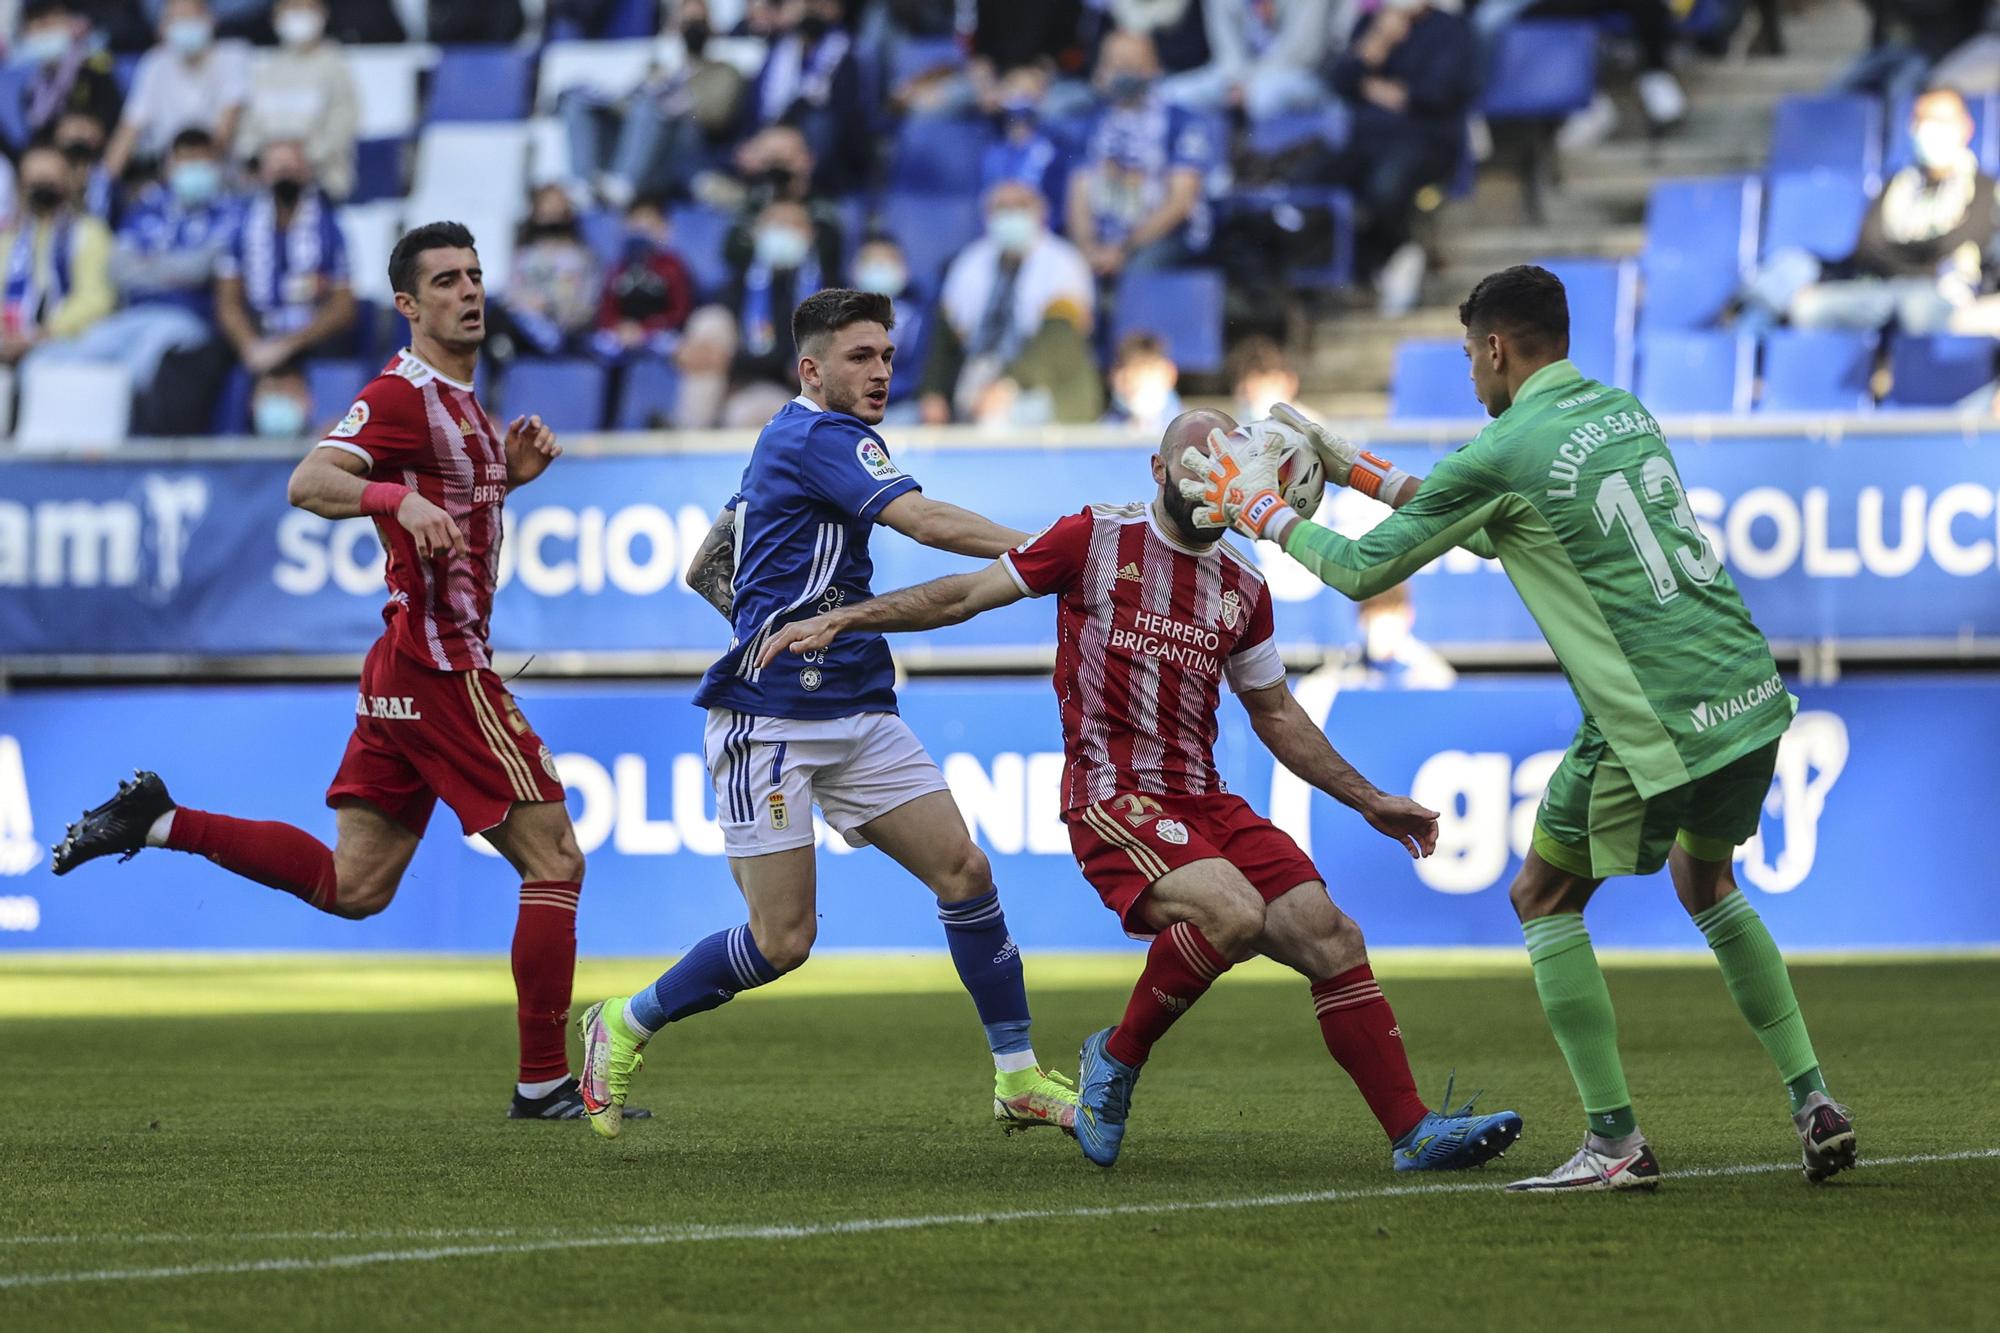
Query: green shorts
x=1593 y=821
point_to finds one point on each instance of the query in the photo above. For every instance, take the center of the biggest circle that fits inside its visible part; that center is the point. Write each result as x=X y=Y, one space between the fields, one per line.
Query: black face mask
x=543 y=231
x=43 y=199
x=812 y=27
x=780 y=181
x=78 y=154
x=694 y=36
x=287 y=191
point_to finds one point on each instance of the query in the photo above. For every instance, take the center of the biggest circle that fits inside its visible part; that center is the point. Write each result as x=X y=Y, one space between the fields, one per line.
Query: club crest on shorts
x=549 y=765
x=1232 y=609
x=809 y=679
x=1173 y=831
x=781 y=818
x=351 y=424
x=876 y=460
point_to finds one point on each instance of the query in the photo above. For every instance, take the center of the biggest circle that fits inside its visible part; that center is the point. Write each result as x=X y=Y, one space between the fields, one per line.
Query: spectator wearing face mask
x=303 y=91
x=810 y=80
x=281 y=404
x=1926 y=257
x=56 y=282
x=1262 y=376
x=1024 y=149
x=648 y=295
x=1145 y=392
x=68 y=71
x=80 y=137
x=782 y=270
x=553 y=281
x=881 y=267
x=163 y=264
x=1012 y=336
x=1390 y=656
x=282 y=286
x=190 y=79
x=1263 y=58
x=776 y=166
x=1137 y=201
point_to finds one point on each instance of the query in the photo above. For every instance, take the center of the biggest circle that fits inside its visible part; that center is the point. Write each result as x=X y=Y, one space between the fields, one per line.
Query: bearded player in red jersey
x=417 y=455
x=1154 y=615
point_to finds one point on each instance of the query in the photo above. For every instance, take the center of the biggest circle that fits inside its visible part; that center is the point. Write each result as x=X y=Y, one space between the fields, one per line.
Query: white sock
x=1015 y=1061
x=542 y=1089
x=639 y=1030
x=1619 y=1147
x=156 y=836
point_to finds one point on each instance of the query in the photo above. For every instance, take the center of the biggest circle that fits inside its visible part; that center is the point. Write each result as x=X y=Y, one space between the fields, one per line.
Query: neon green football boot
x=611 y=1055
x=1029 y=1098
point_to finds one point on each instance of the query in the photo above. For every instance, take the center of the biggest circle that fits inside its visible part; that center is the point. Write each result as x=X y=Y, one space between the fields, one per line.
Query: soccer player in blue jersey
x=823 y=730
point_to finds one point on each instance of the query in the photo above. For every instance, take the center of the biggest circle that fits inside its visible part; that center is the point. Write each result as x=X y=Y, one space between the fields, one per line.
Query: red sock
x=1180 y=967
x=1361 y=1032
x=273 y=854
x=544 y=971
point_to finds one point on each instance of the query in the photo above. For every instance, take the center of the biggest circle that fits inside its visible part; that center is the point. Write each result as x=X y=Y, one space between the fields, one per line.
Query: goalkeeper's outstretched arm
x=951 y=600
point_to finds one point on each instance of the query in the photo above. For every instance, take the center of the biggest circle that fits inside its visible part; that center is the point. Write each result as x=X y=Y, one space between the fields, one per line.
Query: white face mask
x=1937 y=143
x=300 y=27
x=190 y=37
x=782 y=247
x=883 y=277
x=1013 y=229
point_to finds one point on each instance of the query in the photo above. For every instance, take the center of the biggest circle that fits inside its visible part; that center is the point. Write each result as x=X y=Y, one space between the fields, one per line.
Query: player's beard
x=854 y=404
x=1181 y=510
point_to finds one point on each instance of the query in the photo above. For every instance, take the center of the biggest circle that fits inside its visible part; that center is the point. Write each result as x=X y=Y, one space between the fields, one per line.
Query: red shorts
x=421 y=734
x=1125 y=843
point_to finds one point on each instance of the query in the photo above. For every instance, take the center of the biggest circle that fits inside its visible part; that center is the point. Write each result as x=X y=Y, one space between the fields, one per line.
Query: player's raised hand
x=531 y=447
x=801 y=636
x=1236 y=480
x=1399 y=817
x=433 y=529
x=1336 y=454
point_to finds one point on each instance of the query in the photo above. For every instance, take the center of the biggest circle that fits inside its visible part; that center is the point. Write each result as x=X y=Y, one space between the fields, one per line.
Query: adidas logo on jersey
x=1130 y=570
x=464 y=426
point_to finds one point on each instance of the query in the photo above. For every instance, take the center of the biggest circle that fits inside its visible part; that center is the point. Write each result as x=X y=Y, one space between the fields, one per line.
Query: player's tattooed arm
x=712 y=572
x=1297 y=742
x=947 y=601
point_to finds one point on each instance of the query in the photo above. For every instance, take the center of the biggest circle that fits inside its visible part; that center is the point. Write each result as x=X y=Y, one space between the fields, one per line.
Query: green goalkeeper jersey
x=1575 y=492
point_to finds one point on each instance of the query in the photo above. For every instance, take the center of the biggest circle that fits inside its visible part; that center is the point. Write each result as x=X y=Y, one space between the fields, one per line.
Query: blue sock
x=707 y=977
x=990 y=966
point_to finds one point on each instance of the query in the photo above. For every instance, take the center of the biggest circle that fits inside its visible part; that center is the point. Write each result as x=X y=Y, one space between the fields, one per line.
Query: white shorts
x=769 y=773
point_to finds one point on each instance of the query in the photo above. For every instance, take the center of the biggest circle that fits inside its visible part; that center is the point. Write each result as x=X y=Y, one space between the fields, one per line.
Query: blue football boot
x=1103 y=1099
x=1453 y=1140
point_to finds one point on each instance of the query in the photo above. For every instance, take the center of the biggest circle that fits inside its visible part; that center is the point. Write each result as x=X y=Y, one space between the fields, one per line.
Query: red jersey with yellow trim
x=413 y=426
x=1146 y=631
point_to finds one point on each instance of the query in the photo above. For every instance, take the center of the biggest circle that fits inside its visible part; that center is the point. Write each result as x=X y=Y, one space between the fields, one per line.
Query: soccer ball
x=1301 y=478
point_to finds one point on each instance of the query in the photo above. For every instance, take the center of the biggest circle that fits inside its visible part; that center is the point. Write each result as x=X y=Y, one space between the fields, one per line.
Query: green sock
x=1762 y=989
x=1578 y=1005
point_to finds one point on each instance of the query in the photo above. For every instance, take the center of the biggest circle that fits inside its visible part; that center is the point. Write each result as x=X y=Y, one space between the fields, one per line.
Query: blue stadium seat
x=646 y=401
x=930 y=228
x=698 y=234
x=567 y=395
x=1603 y=310
x=920 y=55
x=1541 y=69
x=1701 y=238
x=378 y=170
x=484 y=83
x=632 y=18
x=1183 y=307
x=1820 y=211
x=939 y=155
x=1292 y=128
x=1937 y=371
x=334 y=385
x=1685 y=372
x=1841 y=134
x=1430 y=379
x=1817 y=371
x=604 y=233
x=1985 y=111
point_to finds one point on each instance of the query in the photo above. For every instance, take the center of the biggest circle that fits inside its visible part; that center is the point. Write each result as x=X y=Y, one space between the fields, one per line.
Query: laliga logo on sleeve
x=351 y=424
x=875 y=460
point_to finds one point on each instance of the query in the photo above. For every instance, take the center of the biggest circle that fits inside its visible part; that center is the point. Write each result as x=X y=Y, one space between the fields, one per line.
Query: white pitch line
x=684 y=1235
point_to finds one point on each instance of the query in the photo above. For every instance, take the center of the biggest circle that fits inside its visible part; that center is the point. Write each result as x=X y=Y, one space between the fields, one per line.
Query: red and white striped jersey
x=416 y=427
x=1147 y=630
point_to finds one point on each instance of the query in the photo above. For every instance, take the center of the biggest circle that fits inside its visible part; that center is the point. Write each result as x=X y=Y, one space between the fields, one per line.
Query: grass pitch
x=317 y=1143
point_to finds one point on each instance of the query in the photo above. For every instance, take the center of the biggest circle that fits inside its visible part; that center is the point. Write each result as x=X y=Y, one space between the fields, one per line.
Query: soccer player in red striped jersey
x=1153 y=615
x=418 y=455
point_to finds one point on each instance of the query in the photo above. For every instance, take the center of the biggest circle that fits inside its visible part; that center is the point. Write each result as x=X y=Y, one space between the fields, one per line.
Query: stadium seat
x=604 y=232
x=1819 y=211
x=1701 y=239
x=71 y=406
x=1431 y=379
x=567 y=395
x=633 y=18
x=479 y=83
x=913 y=56
x=1275 y=134
x=1841 y=134
x=609 y=68
x=1183 y=307
x=471 y=168
x=333 y=386
x=1817 y=371
x=371 y=231
x=548 y=151
x=1684 y=372
x=939 y=155
x=1603 y=311
x=1985 y=109
x=1936 y=372
x=931 y=229
x=1539 y=73
x=378 y=170
x=646 y=402
x=385 y=82
x=698 y=234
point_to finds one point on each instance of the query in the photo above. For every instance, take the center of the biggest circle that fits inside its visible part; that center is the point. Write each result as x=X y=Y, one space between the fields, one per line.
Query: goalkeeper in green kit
x=1573 y=490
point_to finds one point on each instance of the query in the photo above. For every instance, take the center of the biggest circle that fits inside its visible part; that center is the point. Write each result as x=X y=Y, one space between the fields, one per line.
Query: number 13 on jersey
x=1618 y=505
